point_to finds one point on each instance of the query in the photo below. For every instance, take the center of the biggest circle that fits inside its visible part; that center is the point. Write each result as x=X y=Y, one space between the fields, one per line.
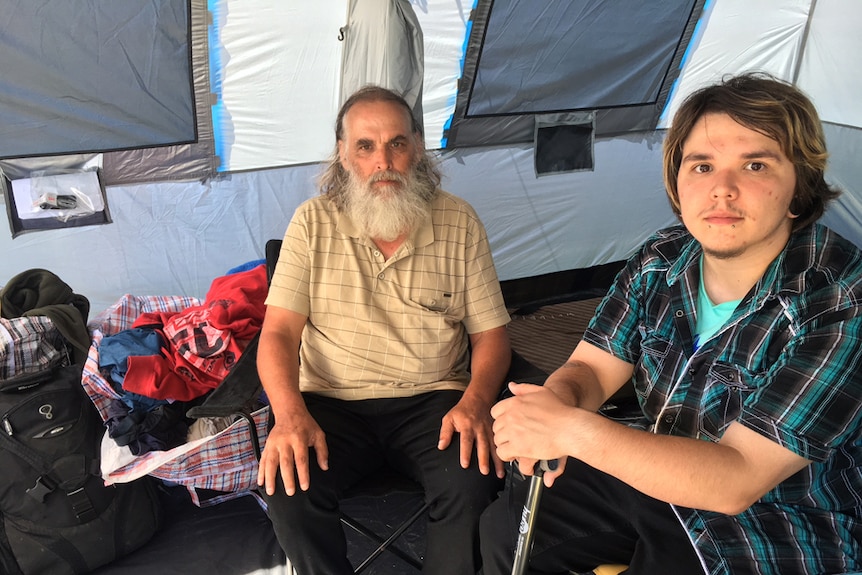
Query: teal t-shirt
x=710 y=317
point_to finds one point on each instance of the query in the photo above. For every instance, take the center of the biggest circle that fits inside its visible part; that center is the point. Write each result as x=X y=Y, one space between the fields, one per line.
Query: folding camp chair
x=237 y=396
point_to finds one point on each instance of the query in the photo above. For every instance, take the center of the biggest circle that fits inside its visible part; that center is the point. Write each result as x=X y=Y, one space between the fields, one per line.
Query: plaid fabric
x=28 y=345
x=222 y=462
x=787 y=364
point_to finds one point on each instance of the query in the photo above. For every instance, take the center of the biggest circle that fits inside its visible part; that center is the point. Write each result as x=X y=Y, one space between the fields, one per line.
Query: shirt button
x=679 y=313
x=433 y=302
x=376 y=254
x=380 y=275
x=668 y=419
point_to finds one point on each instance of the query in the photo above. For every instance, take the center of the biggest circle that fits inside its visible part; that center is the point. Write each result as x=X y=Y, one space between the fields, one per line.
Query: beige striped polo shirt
x=387 y=328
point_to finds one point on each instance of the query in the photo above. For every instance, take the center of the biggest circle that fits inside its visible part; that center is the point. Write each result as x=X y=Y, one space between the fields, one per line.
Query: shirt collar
x=784 y=273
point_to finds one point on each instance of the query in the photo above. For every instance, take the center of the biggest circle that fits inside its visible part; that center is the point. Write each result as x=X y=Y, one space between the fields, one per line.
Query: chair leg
x=386 y=544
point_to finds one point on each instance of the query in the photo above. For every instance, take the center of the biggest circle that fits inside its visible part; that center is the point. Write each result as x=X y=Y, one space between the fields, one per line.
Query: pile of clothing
x=168 y=361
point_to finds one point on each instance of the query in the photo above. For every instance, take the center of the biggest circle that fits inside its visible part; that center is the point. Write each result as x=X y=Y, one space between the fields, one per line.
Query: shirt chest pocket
x=725 y=389
x=437 y=301
x=431 y=290
x=656 y=357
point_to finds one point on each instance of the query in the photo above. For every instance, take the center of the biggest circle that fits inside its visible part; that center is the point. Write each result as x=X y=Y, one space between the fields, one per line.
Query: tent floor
x=236 y=538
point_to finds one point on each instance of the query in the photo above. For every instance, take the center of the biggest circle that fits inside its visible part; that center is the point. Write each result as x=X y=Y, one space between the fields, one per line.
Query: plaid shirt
x=787 y=364
x=29 y=345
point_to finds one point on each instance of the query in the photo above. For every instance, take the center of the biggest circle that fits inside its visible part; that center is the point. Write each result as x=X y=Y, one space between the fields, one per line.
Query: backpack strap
x=53 y=477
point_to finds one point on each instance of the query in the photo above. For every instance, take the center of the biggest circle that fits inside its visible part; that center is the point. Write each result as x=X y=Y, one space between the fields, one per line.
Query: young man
x=742 y=330
x=384 y=279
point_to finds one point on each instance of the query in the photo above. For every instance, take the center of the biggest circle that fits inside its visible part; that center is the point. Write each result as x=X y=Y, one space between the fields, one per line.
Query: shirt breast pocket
x=652 y=363
x=432 y=300
x=724 y=392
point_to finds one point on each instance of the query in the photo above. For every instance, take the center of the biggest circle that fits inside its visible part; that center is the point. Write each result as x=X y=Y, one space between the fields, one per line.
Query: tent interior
x=190 y=131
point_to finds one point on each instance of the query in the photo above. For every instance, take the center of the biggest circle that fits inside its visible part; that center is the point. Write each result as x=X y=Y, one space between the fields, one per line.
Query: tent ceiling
x=275 y=70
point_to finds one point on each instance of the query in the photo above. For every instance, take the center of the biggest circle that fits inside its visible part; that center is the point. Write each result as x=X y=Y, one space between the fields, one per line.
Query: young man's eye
x=756 y=166
x=702 y=168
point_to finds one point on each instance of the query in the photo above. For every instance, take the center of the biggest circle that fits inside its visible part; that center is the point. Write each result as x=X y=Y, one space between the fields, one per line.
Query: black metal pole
x=528 y=517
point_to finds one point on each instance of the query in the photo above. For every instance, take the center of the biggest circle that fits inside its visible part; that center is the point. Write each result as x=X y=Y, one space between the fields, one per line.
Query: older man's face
x=378 y=145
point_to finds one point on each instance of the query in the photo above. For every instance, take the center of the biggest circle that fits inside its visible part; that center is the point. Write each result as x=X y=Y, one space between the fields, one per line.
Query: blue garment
x=787 y=364
x=114 y=351
x=245 y=267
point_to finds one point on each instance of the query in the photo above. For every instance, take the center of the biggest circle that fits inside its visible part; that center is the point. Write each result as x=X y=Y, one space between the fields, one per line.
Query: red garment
x=202 y=342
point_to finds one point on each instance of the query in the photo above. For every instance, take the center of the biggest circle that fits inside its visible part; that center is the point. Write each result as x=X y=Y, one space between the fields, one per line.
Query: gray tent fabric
x=555 y=66
x=195 y=160
x=15 y=168
x=190 y=161
x=383 y=45
x=94 y=76
x=613 y=56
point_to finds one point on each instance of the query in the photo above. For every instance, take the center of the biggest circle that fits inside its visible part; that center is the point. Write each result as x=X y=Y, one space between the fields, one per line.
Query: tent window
x=575 y=55
x=616 y=57
x=94 y=76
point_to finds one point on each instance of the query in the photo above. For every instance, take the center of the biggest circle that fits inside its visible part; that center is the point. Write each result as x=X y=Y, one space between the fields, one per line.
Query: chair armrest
x=238 y=391
x=237 y=395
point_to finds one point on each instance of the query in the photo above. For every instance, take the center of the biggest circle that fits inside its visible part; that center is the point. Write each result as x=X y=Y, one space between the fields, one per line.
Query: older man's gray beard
x=387 y=215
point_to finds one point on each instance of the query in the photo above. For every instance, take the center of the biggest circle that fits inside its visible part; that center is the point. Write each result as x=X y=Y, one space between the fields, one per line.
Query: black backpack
x=56 y=514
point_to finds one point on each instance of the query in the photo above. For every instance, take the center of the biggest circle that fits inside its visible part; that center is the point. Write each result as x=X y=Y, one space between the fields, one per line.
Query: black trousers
x=362 y=436
x=587 y=519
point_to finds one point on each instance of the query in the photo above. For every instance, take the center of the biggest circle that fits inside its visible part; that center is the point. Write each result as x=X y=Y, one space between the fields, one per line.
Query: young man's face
x=378 y=139
x=735 y=187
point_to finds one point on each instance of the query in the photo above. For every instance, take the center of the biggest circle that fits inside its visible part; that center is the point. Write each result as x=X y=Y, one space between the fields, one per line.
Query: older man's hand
x=471 y=419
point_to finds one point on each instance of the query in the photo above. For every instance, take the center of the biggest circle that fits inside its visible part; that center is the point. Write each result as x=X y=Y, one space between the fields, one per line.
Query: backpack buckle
x=43 y=487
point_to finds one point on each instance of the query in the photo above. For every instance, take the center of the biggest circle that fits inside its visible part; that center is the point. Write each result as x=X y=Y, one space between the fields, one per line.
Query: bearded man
x=384 y=337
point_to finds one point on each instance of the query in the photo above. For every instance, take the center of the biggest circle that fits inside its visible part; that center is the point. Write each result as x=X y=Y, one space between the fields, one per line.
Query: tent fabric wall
x=194 y=160
x=518 y=63
x=278 y=89
x=815 y=45
x=275 y=88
